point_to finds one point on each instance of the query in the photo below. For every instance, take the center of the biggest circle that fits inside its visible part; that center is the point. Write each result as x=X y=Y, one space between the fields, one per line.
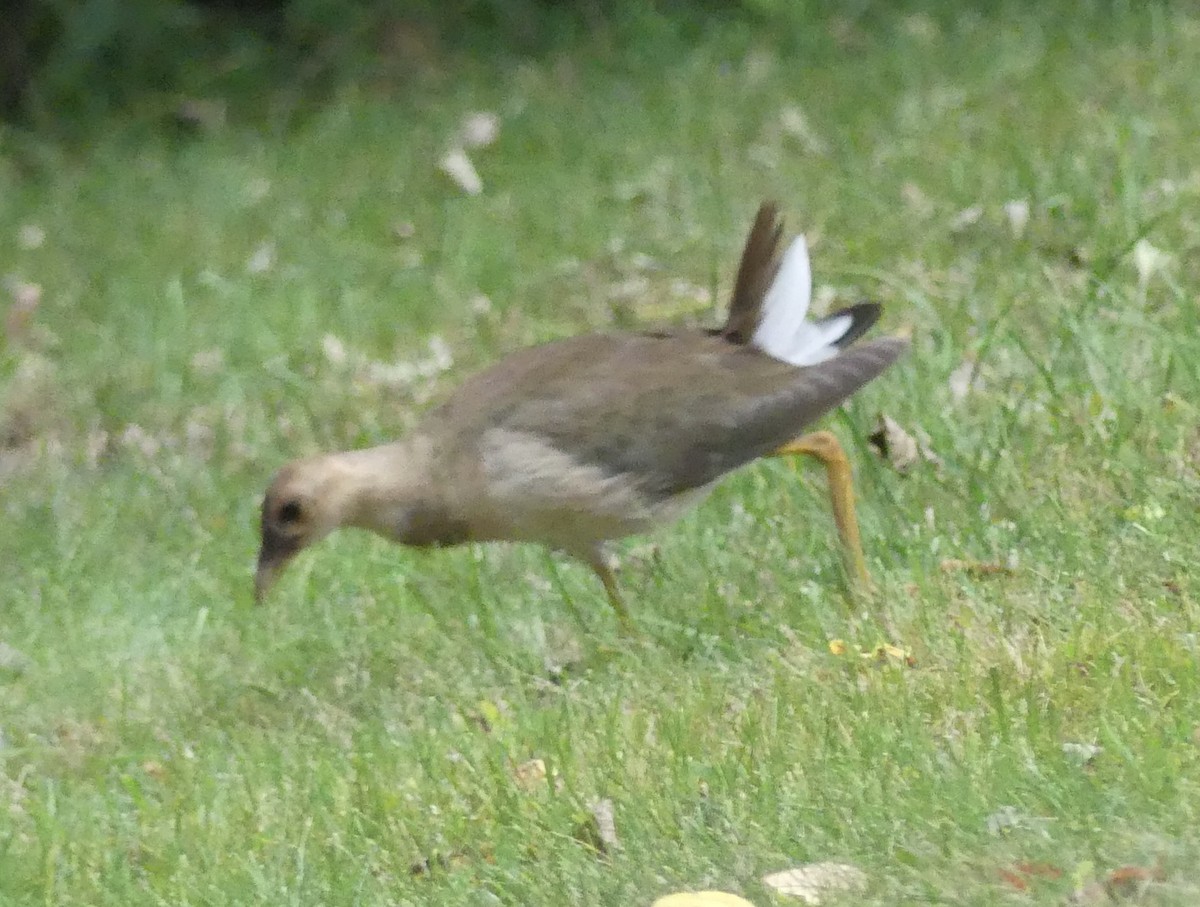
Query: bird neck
x=378 y=487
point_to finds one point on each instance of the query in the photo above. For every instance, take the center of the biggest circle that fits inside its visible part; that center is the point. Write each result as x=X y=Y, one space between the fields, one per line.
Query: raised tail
x=771 y=298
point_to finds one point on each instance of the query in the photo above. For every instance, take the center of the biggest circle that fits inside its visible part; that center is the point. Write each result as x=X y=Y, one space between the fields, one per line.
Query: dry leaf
x=262 y=260
x=13 y=660
x=881 y=652
x=1021 y=874
x=1127 y=884
x=1012 y=879
x=1131 y=882
x=1017 y=212
x=895 y=445
x=974 y=568
x=884 y=651
x=134 y=437
x=1045 y=870
x=26 y=297
x=479 y=130
x=400 y=375
x=796 y=124
x=30 y=237
x=900 y=448
x=966 y=218
x=962 y=380
x=916 y=199
x=208 y=362
x=459 y=168
x=488 y=715
x=530 y=774
x=702 y=899
x=922 y=27
x=606 y=824
x=439 y=861
x=1093 y=894
x=1004 y=820
x=1082 y=754
x=202 y=113
x=334 y=349
x=257 y=189
x=599 y=829
x=1148 y=259
x=813 y=883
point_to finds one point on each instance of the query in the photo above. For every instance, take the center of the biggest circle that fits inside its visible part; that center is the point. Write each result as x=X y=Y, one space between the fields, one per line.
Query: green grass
x=169 y=743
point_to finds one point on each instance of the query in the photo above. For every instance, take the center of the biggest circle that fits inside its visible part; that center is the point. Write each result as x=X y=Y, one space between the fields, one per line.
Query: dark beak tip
x=265 y=574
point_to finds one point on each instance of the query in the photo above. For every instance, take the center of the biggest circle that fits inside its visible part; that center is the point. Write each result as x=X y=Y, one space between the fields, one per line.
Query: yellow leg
x=825 y=447
x=600 y=564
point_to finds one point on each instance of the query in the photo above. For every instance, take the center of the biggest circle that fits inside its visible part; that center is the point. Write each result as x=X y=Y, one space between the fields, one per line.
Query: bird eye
x=289 y=512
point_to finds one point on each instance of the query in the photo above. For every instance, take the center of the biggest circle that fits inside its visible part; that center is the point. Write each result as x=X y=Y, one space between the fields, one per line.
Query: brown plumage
x=584 y=440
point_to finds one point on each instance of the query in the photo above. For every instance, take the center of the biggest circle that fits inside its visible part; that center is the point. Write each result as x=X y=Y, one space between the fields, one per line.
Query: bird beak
x=265 y=575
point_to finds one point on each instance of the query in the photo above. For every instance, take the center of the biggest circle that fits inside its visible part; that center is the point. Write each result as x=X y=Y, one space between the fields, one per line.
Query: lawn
x=1019 y=187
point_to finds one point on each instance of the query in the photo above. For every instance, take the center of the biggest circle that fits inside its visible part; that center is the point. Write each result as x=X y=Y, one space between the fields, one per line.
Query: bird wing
x=667 y=412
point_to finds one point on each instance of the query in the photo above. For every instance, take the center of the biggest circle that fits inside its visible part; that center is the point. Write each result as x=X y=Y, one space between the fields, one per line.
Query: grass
x=358 y=741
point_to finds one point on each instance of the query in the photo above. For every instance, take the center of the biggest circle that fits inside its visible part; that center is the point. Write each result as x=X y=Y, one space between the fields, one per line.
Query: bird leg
x=825 y=446
x=599 y=562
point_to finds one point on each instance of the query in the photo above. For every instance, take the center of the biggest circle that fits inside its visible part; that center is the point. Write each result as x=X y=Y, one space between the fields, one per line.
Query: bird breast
x=538 y=492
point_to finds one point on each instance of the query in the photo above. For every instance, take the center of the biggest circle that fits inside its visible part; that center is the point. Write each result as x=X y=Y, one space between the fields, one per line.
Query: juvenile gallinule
x=580 y=441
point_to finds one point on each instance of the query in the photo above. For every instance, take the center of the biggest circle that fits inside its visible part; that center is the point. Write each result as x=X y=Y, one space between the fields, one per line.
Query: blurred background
x=67 y=60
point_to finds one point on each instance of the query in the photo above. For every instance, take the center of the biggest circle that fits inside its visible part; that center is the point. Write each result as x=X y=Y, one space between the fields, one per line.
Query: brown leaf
x=438 y=861
x=530 y=774
x=900 y=448
x=1044 y=870
x=816 y=883
x=1126 y=884
x=1013 y=879
x=26 y=297
x=1020 y=874
x=882 y=652
x=1132 y=881
x=974 y=568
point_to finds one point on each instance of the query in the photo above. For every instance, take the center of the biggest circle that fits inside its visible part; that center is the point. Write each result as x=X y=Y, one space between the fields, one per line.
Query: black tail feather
x=862 y=317
x=759 y=265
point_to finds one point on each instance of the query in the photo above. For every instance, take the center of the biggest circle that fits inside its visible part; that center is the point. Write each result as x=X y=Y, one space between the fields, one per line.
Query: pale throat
x=378 y=487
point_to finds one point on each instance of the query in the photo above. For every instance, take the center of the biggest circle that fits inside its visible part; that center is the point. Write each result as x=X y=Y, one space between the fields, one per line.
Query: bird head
x=301 y=507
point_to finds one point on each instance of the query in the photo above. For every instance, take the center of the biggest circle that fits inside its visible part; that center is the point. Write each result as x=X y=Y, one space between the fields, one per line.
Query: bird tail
x=771 y=298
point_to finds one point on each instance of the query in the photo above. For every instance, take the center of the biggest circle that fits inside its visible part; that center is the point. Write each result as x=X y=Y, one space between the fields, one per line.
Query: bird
x=581 y=441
